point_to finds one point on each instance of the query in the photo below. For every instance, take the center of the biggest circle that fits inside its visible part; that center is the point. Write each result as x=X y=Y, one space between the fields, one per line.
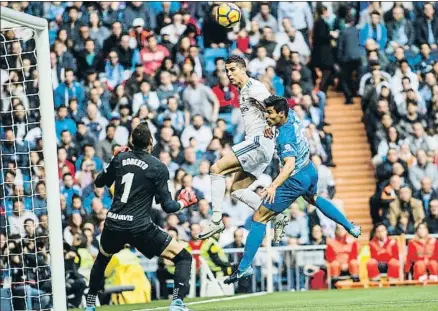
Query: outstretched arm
x=285 y=172
x=185 y=199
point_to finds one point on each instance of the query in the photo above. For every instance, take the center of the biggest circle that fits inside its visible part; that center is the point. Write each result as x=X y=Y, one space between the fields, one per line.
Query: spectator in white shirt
x=18 y=217
x=295 y=41
x=145 y=97
x=176 y=29
x=403 y=71
x=201 y=132
x=227 y=236
x=259 y=64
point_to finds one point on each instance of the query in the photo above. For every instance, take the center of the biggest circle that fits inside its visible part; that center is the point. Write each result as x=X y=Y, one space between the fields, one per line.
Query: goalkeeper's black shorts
x=150 y=241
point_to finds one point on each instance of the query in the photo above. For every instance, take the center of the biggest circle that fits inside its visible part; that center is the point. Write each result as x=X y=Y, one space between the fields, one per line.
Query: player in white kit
x=250 y=157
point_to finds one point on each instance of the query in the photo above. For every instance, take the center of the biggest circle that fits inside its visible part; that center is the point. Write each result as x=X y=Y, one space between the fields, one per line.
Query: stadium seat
x=210 y=56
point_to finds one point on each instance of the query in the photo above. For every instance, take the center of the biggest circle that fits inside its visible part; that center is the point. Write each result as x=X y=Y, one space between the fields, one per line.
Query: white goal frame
x=10 y=19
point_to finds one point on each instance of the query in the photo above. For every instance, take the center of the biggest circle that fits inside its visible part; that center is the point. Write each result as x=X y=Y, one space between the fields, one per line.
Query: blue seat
x=210 y=55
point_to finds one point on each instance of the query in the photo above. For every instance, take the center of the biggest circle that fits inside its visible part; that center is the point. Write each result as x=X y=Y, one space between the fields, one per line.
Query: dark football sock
x=97 y=277
x=183 y=265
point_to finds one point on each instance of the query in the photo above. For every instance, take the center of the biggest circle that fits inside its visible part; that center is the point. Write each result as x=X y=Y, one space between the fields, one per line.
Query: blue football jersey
x=291 y=141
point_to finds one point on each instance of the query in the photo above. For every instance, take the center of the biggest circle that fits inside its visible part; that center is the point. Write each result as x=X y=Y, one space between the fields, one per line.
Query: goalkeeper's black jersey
x=138 y=177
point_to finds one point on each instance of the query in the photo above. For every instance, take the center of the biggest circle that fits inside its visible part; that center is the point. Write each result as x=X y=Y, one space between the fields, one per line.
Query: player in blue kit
x=298 y=177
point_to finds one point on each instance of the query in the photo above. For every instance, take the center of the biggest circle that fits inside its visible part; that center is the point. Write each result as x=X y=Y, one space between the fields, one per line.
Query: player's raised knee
x=262 y=215
x=184 y=255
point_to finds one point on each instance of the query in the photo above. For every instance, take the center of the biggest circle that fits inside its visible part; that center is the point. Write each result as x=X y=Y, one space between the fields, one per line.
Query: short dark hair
x=379 y=224
x=109 y=126
x=423 y=223
x=173 y=229
x=141 y=136
x=66 y=174
x=279 y=103
x=236 y=59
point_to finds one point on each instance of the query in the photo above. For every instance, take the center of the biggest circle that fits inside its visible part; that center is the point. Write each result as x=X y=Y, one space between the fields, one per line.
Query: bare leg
x=240 y=191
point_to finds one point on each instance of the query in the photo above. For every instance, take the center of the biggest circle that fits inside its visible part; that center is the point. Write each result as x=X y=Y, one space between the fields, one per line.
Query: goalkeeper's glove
x=119 y=149
x=187 y=198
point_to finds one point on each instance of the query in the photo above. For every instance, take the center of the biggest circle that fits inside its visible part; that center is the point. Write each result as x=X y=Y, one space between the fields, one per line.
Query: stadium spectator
x=114 y=71
x=200 y=100
x=432 y=219
x=69 y=89
x=422 y=169
x=426 y=194
x=39 y=205
x=297 y=227
x=152 y=55
x=199 y=130
x=341 y=254
x=349 y=57
x=226 y=94
x=213 y=253
x=63 y=122
x=265 y=19
x=145 y=97
x=422 y=256
x=326 y=182
x=405 y=203
x=384 y=255
x=426 y=29
x=104 y=148
x=322 y=54
x=374 y=30
x=16 y=221
x=401 y=32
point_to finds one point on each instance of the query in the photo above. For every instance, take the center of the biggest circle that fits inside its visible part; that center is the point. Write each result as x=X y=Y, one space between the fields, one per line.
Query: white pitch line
x=209 y=301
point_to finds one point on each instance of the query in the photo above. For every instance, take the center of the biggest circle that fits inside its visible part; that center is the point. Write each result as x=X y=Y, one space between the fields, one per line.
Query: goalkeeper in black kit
x=138 y=178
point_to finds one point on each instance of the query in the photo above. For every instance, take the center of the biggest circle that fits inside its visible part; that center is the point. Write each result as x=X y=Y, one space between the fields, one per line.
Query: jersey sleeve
x=108 y=175
x=259 y=92
x=163 y=195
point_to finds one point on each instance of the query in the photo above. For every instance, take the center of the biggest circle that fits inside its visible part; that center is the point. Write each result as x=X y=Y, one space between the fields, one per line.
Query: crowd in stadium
x=117 y=64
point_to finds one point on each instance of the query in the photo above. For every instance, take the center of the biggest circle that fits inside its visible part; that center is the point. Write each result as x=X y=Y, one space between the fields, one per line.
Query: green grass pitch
x=382 y=299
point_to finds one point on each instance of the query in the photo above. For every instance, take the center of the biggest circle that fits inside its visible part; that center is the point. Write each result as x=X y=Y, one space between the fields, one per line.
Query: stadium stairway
x=354 y=174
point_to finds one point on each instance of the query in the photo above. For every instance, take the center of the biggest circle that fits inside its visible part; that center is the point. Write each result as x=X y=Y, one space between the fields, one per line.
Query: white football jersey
x=252 y=108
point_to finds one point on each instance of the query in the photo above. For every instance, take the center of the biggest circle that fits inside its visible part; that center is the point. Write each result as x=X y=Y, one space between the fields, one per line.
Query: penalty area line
x=210 y=301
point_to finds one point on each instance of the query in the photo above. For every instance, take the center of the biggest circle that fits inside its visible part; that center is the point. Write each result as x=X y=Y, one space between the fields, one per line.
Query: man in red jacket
x=341 y=254
x=384 y=255
x=226 y=93
x=423 y=255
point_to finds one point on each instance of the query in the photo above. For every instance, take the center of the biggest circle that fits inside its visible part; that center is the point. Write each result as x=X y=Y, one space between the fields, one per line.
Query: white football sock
x=249 y=197
x=217 y=195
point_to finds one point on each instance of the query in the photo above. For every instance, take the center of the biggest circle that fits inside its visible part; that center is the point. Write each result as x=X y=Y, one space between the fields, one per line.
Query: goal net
x=31 y=255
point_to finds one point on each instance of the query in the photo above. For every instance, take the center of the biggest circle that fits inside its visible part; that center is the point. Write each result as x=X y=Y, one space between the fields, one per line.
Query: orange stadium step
x=354 y=174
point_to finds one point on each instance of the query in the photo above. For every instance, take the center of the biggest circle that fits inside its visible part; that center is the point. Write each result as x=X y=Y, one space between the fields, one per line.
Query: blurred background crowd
x=116 y=64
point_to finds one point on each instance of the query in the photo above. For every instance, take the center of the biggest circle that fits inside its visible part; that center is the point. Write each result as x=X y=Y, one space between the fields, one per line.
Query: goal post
x=11 y=20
